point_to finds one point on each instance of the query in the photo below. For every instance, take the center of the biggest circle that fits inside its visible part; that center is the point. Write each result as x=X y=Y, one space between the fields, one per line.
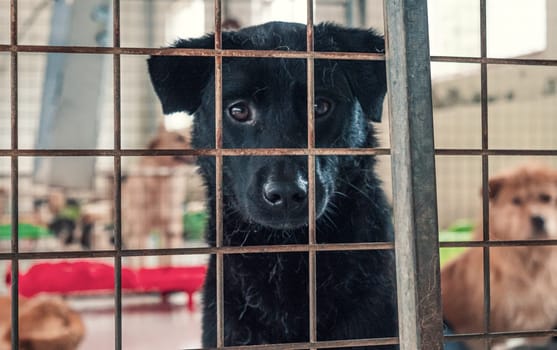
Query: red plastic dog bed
x=87 y=277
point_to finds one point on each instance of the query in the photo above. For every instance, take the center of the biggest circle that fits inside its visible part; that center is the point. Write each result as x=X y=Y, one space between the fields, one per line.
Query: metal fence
x=485 y=153
x=413 y=170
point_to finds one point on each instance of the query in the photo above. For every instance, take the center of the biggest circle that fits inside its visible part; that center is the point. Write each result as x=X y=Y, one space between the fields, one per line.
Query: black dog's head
x=264 y=106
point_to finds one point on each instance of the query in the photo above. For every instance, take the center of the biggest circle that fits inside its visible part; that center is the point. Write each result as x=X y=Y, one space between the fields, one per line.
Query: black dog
x=265 y=197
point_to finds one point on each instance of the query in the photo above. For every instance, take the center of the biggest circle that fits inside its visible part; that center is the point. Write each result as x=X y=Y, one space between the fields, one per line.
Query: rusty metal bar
x=496 y=152
x=202 y=250
x=218 y=180
x=324 y=247
x=260 y=53
x=192 y=52
x=194 y=152
x=14 y=179
x=514 y=243
x=15 y=247
x=500 y=335
x=328 y=344
x=312 y=261
x=263 y=152
x=485 y=171
x=317 y=345
x=259 y=249
x=117 y=178
x=491 y=60
x=413 y=172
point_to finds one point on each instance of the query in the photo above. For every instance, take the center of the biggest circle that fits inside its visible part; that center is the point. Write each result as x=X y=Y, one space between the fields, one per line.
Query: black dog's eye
x=545 y=198
x=240 y=111
x=322 y=107
x=517 y=201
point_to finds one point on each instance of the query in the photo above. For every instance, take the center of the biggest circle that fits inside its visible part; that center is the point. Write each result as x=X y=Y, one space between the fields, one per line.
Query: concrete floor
x=146 y=323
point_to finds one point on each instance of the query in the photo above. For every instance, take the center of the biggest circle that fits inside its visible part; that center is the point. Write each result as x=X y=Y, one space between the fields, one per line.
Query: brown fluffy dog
x=45 y=323
x=523 y=280
x=153 y=193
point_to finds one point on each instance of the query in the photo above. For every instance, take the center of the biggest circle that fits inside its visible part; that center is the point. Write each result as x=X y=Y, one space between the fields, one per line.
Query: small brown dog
x=153 y=194
x=523 y=280
x=45 y=323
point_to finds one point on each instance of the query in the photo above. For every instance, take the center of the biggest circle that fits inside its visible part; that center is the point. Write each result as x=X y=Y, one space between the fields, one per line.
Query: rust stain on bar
x=195 y=152
x=202 y=250
x=218 y=182
x=192 y=52
x=312 y=263
x=263 y=151
x=13 y=22
x=260 y=53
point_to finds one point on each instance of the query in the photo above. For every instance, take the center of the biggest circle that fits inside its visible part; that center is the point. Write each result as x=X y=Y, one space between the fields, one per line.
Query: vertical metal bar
x=485 y=169
x=14 y=176
x=413 y=172
x=363 y=12
x=218 y=181
x=117 y=180
x=349 y=12
x=150 y=23
x=312 y=284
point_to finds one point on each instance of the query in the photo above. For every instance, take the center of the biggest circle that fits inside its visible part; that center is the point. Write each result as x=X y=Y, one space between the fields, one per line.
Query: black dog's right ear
x=368 y=79
x=179 y=80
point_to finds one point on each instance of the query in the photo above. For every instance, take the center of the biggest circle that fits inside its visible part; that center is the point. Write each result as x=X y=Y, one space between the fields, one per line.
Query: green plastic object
x=194 y=224
x=458 y=232
x=25 y=231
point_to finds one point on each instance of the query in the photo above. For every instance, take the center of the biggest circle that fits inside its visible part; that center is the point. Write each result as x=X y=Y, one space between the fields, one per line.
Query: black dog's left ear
x=179 y=80
x=368 y=79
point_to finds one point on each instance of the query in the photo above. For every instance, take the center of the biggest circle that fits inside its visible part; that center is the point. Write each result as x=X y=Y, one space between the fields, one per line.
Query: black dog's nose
x=288 y=195
x=538 y=223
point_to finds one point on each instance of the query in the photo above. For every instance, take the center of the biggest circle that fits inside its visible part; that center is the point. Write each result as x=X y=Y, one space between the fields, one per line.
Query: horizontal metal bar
x=262 y=152
x=316 y=345
x=493 y=60
x=500 y=335
x=368 y=56
x=291 y=248
x=193 y=152
x=262 y=249
x=260 y=53
x=495 y=152
x=517 y=243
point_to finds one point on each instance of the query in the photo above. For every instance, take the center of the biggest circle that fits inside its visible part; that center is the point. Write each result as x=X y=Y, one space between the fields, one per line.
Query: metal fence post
x=413 y=172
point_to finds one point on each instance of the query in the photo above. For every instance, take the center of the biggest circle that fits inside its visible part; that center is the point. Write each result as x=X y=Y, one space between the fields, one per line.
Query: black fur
x=265 y=198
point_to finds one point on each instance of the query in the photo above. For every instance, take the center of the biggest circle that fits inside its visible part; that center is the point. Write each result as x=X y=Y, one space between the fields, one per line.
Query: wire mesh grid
x=218 y=152
x=487 y=336
x=432 y=335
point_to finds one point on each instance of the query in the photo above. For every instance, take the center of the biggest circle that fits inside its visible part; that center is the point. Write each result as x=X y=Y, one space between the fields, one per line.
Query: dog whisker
x=357 y=189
